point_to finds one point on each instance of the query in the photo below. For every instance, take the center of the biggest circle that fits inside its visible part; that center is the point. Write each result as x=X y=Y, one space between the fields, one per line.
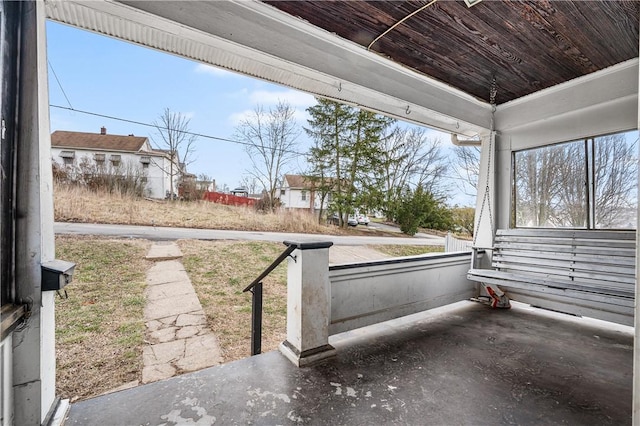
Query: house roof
x=296 y=181
x=303 y=182
x=82 y=140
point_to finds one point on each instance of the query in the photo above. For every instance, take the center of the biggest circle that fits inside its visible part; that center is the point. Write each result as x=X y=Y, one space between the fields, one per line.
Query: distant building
x=300 y=192
x=206 y=185
x=117 y=154
x=240 y=192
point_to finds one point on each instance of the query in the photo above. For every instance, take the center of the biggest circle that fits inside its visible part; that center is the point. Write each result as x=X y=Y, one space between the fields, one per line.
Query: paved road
x=396 y=229
x=162 y=233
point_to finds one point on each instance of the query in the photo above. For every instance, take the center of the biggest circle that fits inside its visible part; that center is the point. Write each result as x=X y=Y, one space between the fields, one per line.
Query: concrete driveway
x=348 y=254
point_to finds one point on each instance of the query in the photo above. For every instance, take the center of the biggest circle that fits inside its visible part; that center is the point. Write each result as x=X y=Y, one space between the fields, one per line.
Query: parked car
x=363 y=219
x=334 y=219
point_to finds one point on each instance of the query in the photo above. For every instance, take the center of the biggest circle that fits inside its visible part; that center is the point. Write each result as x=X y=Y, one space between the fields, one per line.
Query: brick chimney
x=103 y=130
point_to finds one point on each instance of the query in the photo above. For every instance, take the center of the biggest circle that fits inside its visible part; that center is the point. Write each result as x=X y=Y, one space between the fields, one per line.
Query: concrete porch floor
x=463 y=364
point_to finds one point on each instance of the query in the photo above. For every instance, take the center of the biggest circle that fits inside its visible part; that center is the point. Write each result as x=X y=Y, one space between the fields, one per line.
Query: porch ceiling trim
x=256 y=39
x=615 y=84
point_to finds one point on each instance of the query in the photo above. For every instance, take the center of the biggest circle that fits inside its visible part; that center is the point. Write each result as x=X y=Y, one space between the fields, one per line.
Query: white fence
x=452 y=244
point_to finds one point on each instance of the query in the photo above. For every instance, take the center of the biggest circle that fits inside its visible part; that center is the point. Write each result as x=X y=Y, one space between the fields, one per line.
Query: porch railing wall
x=369 y=293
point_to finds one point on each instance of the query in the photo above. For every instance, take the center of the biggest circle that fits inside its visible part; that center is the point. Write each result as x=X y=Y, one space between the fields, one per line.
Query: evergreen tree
x=345 y=157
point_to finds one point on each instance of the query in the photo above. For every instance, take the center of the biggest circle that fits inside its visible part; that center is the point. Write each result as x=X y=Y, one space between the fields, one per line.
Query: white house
x=298 y=192
x=117 y=154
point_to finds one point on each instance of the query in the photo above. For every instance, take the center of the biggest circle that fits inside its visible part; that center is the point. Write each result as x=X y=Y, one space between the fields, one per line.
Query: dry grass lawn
x=74 y=204
x=219 y=271
x=100 y=327
x=398 y=251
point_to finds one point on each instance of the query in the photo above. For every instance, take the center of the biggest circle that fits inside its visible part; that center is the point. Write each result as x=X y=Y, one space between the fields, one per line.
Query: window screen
x=590 y=184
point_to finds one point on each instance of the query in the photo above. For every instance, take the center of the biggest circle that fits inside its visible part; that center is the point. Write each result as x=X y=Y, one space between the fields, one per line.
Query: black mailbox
x=56 y=274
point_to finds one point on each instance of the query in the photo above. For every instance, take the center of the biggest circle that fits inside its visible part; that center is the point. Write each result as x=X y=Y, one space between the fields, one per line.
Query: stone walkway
x=177 y=334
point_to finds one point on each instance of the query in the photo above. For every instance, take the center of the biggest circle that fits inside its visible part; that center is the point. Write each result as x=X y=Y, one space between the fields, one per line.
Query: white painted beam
x=635 y=417
x=255 y=39
x=34 y=344
x=609 y=86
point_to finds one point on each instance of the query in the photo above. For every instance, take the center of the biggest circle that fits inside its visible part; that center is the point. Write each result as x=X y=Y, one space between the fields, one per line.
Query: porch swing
x=580 y=272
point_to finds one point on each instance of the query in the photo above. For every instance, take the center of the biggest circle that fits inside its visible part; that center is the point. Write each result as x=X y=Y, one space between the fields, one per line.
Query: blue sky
x=115 y=78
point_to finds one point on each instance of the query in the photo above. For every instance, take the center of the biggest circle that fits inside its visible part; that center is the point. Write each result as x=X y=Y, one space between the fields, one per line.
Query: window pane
x=616 y=174
x=550 y=186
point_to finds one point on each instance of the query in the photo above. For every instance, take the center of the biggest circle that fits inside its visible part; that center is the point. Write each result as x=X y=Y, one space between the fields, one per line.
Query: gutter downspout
x=464 y=142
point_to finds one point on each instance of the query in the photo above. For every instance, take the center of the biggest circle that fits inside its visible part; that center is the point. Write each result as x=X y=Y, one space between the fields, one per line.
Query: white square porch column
x=308 y=304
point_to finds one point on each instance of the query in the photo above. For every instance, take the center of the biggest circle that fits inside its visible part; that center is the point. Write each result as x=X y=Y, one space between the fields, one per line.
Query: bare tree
x=271 y=138
x=540 y=179
x=553 y=188
x=616 y=170
x=207 y=182
x=409 y=158
x=176 y=139
x=250 y=183
x=468 y=168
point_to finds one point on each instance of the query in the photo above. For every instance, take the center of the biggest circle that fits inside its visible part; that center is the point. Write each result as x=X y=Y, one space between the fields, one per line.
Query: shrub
x=463 y=219
x=189 y=191
x=266 y=205
x=124 y=179
x=420 y=208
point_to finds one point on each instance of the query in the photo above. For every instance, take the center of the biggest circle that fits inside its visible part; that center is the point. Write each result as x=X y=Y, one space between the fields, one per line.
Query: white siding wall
x=293 y=199
x=316 y=202
x=157 y=179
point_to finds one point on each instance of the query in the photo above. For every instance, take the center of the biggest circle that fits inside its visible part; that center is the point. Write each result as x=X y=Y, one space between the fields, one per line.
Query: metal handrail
x=290 y=248
x=256 y=299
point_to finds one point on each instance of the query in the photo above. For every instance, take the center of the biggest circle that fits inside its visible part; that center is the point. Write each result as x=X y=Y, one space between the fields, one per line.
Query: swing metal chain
x=493 y=90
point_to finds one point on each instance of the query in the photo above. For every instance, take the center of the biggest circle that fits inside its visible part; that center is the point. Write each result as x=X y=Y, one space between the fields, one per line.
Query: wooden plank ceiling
x=526 y=45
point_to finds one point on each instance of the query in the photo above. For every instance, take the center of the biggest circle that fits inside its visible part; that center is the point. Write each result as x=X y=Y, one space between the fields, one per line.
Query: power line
x=59 y=84
x=201 y=135
x=140 y=123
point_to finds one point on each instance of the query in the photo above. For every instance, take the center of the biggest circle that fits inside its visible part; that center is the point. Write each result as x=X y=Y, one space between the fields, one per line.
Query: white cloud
x=300 y=115
x=188 y=114
x=299 y=101
x=272 y=97
x=239 y=94
x=238 y=117
x=211 y=70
